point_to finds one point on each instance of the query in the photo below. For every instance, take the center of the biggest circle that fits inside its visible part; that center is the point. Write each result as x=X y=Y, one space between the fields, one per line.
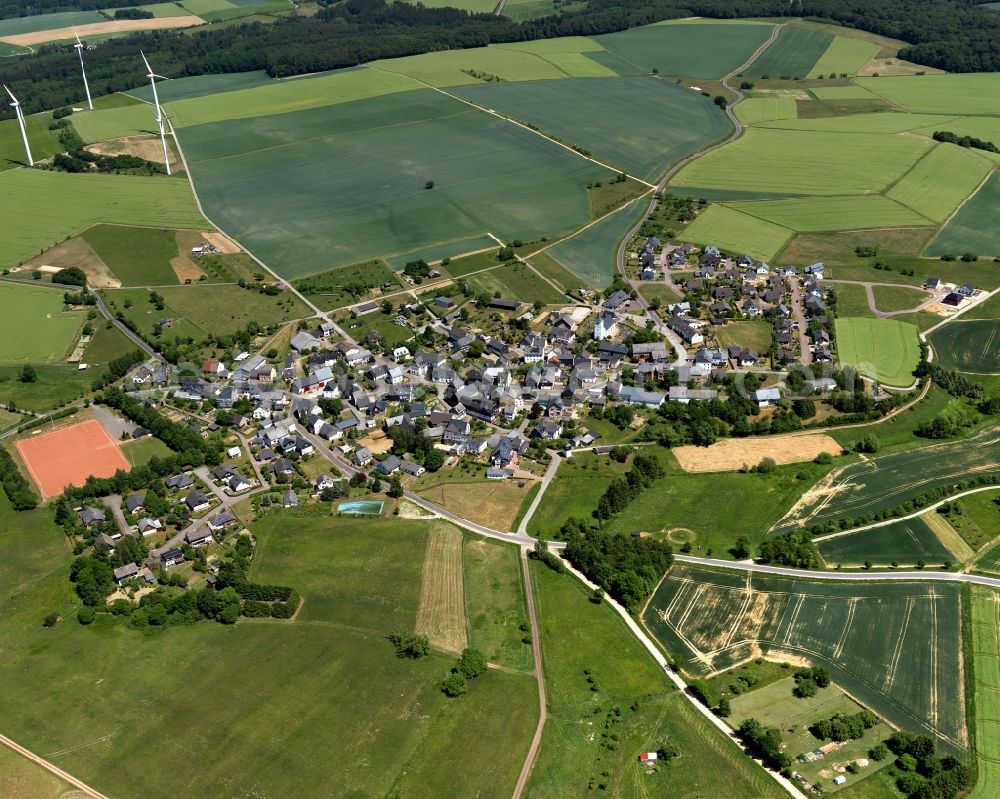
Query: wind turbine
x=20 y=121
x=159 y=111
x=86 y=86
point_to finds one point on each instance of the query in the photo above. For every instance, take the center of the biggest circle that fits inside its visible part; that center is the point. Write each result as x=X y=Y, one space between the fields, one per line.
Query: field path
x=536 y=651
x=662 y=184
x=54 y=769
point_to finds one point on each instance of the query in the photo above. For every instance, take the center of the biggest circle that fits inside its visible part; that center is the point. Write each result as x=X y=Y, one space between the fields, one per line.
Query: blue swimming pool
x=361 y=508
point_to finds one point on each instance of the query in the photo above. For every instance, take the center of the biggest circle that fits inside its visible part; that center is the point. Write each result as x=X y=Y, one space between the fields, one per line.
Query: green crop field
x=285 y=96
x=43 y=142
x=840 y=93
x=844 y=55
x=36 y=329
x=792 y=55
x=323 y=661
x=885 y=349
x=941 y=181
x=200 y=7
x=44 y=22
x=818 y=214
x=737 y=232
x=766 y=160
x=974 y=93
x=343 y=184
x=574 y=633
x=767 y=108
x=987 y=128
x=514 y=282
x=440 y=251
x=40 y=208
x=138 y=256
x=160 y=10
x=985 y=647
x=893 y=646
x=688 y=49
x=591 y=254
x=972 y=228
x=902 y=542
x=857 y=122
x=885 y=481
x=202 y=86
x=102 y=124
x=588 y=114
x=969 y=346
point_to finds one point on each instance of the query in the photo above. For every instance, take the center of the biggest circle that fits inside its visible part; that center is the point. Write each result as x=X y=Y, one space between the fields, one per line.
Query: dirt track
x=116 y=26
x=731 y=454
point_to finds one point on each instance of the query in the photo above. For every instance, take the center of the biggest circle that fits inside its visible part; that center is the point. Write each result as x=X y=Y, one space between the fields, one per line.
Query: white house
x=605 y=326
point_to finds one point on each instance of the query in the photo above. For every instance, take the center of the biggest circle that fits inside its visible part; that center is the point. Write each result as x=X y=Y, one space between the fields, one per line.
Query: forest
x=955 y=36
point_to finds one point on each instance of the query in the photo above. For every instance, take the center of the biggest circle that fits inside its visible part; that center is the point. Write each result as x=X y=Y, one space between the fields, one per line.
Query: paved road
x=114 y=504
x=522 y=528
x=737 y=132
x=142 y=345
x=805 y=354
x=924 y=575
x=536 y=651
x=54 y=769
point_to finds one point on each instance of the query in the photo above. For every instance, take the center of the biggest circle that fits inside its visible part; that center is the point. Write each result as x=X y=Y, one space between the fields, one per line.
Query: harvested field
x=76 y=252
x=894 y=646
x=116 y=26
x=731 y=454
x=70 y=455
x=493 y=504
x=221 y=242
x=148 y=147
x=378 y=442
x=879 y=483
x=185 y=269
x=441 y=612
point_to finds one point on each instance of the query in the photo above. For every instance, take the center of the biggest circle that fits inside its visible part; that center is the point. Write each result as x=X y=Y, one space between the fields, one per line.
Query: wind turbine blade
x=161 y=77
x=12 y=97
x=77 y=35
x=149 y=69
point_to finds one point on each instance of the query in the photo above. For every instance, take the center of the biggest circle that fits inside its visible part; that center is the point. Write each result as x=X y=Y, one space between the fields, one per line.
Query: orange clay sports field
x=69 y=456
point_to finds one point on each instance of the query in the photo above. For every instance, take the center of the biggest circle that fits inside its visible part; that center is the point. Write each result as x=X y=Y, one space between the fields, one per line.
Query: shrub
x=256 y=609
x=454 y=685
x=410 y=645
x=50 y=620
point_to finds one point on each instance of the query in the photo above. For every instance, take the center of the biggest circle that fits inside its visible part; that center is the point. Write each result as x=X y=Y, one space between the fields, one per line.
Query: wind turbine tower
x=159 y=111
x=20 y=121
x=86 y=86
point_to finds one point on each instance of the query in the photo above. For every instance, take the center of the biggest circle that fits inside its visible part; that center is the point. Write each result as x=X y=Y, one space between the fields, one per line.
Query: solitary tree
x=28 y=374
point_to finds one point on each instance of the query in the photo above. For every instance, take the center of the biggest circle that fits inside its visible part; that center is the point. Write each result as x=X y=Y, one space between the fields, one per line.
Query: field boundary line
x=897 y=653
x=921 y=512
x=52 y=768
x=952 y=215
x=513 y=121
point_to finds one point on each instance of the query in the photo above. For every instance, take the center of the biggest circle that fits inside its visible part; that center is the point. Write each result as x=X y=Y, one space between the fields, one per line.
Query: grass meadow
x=776 y=706
x=514 y=281
x=22 y=778
x=204 y=309
x=138 y=256
x=844 y=55
x=897 y=298
x=902 y=542
x=885 y=349
x=328 y=681
x=885 y=481
x=38 y=330
x=736 y=231
x=43 y=142
x=41 y=208
x=586 y=114
x=347 y=183
x=969 y=346
x=901 y=658
x=701 y=50
x=56 y=384
x=974 y=93
x=792 y=55
x=971 y=229
x=102 y=124
x=573 y=756
x=985 y=646
x=44 y=22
